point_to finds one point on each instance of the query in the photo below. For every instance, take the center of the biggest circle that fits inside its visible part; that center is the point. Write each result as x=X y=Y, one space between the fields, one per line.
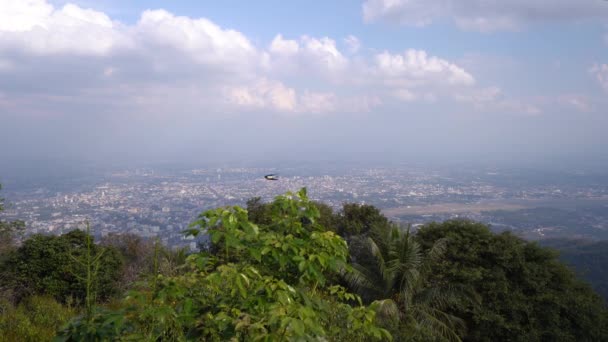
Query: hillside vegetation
x=294 y=270
x=587 y=258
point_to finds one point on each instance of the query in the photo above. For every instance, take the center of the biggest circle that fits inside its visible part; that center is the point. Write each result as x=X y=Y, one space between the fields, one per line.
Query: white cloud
x=353 y=43
x=313 y=57
x=272 y=95
x=600 y=72
x=263 y=94
x=404 y=76
x=199 y=39
x=324 y=52
x=482 y=15
x=284 y=47
x=38 y=28
x=165 y=62
x=18 y=16
x=416 y=67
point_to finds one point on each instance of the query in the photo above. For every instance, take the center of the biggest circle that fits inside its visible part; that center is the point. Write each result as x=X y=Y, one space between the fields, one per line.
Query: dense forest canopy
x=587 y=258
x=293 y=269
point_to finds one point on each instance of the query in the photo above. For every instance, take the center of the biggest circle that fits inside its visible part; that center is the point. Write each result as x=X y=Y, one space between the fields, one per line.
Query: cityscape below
x=158 y=202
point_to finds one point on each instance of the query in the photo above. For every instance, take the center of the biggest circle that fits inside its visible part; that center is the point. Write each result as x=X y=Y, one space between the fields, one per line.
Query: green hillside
x=295 y=270
x=589 y=259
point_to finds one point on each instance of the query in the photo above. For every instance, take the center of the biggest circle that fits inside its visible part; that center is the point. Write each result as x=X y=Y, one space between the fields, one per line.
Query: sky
x=406 y=81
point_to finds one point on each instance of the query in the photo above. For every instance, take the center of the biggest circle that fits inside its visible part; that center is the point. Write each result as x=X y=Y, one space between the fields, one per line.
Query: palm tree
x=394 y=279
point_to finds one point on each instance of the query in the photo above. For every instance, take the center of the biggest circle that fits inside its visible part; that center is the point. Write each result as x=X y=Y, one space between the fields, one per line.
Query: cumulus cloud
x=308 y=55
x=416 y=67
x=284 y=47
x=18 y=16
x=263 y=94
x=65 y=58
x=200 y=39
x=482 y=15
x=273 y=95
x=36 y=27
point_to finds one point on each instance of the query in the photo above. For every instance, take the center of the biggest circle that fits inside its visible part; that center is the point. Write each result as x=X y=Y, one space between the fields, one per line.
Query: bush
x=266 y=282
x=36 y=319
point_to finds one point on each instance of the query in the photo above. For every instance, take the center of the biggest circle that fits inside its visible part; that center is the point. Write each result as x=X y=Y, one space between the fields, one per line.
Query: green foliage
x=588 y=259
x=261 y=213
x=258 y=211
x=137 y=255
x=352 y=220
x=357 y=219
x=90 y=262
x=51 y=265
x=271 y=275
x=327 y=218
x=267 y=282
x=35 y=319
x=354 y=223
x=10 y=231
x=395 y=278
x=527 y=294
x=143 y=258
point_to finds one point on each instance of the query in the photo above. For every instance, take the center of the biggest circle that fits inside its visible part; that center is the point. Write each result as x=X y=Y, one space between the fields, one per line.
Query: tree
x=267 y=282
x=34 y=319
x=588 y=259
x=10 y=231
x=258 y=211
x=526 y=293
x=395 y=278
x=137 y=255
x=359 y=220
x=327 y=218
x=46 y=265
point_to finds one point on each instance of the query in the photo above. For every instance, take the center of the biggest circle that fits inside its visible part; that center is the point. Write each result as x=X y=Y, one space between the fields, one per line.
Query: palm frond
x=359 y=278
x=376 y=252
x=400 y=267
x=386 y=310
x=438 y=250
x=440 y=323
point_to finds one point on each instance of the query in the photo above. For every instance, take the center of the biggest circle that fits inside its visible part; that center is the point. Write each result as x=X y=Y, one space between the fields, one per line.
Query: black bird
x=271 y=177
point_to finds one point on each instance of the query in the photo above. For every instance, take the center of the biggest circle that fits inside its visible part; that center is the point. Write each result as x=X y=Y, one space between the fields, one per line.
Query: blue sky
x=442 y=80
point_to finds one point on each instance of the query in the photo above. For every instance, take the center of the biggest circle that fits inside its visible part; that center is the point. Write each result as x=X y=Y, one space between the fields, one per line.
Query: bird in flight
x=272 y=177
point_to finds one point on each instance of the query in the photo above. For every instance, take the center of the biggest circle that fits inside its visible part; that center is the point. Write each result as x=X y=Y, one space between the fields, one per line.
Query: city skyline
x=162 y=203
